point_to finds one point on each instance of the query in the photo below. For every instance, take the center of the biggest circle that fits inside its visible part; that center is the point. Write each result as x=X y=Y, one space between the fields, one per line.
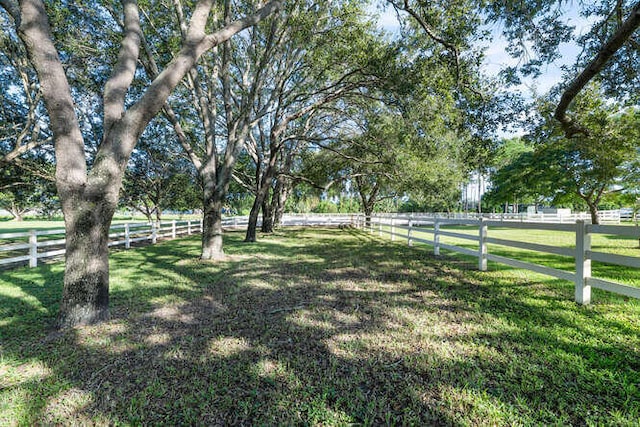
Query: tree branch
x=614 y=43
x=115 y=90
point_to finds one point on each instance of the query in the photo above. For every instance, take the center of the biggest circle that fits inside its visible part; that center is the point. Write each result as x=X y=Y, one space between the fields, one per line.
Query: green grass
x=318 y=327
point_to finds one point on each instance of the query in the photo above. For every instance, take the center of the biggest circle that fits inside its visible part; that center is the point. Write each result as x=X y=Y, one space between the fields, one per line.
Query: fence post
x=154 y=232
x=482 y=246
x=201 y=225
x=409 y=241
x=393 y=229
x=583 y=263
x=188 y=227
x=173 y=229
x=127 y=236
x=33 y=248
x=380 y=226
x=235 y=222
x=436 y=237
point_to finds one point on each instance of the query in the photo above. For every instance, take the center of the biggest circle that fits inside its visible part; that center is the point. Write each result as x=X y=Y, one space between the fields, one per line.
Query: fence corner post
x=482 y=245
x=33 y=248
x=436 y=237
x=583 y=263
x=127 y=236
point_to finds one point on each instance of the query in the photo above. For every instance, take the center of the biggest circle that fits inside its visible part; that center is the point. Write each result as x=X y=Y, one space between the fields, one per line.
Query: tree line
x=136 y=102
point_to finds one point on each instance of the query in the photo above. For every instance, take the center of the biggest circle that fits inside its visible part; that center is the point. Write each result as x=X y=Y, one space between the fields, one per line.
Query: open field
x=318 y=326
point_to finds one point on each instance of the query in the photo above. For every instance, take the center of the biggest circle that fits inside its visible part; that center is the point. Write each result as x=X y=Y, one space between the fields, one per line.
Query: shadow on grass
x=327 y=327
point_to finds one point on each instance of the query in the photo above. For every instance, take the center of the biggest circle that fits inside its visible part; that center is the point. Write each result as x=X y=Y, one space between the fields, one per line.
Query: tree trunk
x=283 y=189
x=267 y=216
x=212 y=219
x=261 y=195
x=16 y=212
x=85 y=297
x=253 y=219
x=593 y=210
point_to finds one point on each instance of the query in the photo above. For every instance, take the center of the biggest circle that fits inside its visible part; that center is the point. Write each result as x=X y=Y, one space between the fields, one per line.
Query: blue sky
x=497 y=58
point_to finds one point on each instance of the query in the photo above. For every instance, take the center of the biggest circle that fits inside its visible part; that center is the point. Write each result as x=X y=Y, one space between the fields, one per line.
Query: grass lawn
x=318 y=327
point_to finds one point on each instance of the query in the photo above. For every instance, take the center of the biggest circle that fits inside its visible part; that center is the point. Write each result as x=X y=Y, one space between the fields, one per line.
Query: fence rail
x=605 y=216
x=18 y=248
x=32 y=246
x=410 y=226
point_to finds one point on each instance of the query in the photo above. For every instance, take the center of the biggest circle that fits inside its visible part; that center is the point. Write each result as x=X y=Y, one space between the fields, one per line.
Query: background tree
x=159 y=177
x=23 y=192
x=580 y=169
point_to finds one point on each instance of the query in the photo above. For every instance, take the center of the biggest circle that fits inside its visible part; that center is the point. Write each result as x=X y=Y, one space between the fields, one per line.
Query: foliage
x=158 y=177
x=29 y=189
x=582 y=169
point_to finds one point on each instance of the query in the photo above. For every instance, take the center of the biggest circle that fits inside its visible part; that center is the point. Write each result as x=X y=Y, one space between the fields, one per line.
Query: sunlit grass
x=318 y=327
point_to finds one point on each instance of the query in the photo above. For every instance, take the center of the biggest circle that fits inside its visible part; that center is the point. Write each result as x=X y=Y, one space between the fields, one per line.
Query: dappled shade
x=317 y=326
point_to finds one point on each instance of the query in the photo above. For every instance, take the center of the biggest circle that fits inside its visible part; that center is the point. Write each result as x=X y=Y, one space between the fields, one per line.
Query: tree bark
x=281 y=194
x=593 y=211
x=85 y=297
x=250 y=236
x=267 y=216
x=261 y=194
x=212 y=248
x=214 y=194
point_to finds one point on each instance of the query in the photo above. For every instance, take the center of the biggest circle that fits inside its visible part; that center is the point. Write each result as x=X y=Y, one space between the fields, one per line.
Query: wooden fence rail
x=29 y=247
x=408 y=227
x=32 y=246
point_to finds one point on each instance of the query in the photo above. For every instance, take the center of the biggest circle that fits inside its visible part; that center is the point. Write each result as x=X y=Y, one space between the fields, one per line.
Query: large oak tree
x=89 y=195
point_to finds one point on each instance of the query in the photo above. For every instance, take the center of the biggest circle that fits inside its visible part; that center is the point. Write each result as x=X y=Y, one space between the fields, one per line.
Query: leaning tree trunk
x=253 y=220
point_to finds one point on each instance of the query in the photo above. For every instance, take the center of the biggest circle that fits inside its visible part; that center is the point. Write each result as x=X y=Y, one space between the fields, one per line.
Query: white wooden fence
x=605 y=216
x=30 y=247
x=307 y=219
x=407 y=228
